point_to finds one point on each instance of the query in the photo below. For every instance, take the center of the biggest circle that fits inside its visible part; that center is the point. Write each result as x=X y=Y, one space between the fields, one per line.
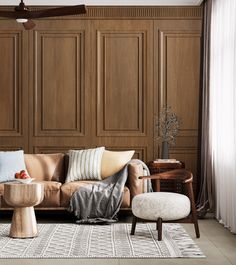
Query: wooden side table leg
x=23 y=223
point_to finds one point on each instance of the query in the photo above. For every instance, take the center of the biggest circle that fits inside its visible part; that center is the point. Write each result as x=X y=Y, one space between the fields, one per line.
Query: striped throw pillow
x=85 y=164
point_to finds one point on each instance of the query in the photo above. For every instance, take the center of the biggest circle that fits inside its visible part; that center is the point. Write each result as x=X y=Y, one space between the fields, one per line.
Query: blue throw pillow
x=10 y=163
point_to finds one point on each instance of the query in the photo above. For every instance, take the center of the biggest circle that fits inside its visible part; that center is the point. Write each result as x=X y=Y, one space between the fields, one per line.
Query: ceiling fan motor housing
x=21 y=7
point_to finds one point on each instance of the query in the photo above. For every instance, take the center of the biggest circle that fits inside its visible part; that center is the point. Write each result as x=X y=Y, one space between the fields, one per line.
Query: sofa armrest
x=135 y=184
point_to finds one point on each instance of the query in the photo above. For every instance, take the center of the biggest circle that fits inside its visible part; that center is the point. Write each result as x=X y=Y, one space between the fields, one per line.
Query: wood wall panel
x=124 y=85
x=10 y=148
x=10 y=69
x=13 y=88
x=59 y=97
x=190 y=157
x=100 y=80
x=182 y=77
x=54 y=149
x=121 y=83
x=140 y=152
x=179 y=85
x=180 y=72
x=60 y=84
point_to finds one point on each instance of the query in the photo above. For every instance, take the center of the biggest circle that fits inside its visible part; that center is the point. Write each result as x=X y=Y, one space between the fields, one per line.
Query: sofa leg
x=134 y=221
x=159 y=228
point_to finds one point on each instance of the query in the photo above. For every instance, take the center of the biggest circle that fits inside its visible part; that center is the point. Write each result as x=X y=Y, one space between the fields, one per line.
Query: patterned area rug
x=100 y=241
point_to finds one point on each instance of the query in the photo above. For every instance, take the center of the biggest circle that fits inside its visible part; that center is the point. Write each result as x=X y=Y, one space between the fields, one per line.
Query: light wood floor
x=217 y=243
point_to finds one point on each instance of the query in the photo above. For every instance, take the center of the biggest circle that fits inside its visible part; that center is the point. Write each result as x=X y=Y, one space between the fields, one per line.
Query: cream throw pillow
x=112 y=162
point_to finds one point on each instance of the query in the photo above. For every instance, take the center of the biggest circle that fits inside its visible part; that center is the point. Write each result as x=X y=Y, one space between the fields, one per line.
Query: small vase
x=165 y=150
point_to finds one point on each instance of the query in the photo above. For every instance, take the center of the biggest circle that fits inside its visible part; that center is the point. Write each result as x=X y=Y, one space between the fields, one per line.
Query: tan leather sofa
x=51 y=170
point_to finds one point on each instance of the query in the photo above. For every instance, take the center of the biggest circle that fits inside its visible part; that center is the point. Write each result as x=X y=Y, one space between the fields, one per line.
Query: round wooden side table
x=23 y=197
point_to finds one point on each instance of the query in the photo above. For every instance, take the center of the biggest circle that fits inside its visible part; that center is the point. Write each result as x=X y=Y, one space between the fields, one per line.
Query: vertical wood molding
x=178 y=82
x=11 y=87
x=121 y=104
x=59 y=75
x=174 y=93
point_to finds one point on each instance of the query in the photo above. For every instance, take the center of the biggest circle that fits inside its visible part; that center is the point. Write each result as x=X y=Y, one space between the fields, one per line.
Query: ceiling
x=105 y=2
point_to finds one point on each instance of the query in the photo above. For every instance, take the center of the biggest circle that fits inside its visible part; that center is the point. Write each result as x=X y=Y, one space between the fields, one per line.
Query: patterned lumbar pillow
x=112 y=162
x=84 y=164
x=10 y=163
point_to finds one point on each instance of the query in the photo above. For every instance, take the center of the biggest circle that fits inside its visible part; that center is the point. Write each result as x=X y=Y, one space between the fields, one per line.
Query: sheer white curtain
x=223 y=108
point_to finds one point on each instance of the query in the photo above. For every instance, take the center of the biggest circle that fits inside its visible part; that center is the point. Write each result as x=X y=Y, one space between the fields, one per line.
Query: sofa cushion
x=51 y=194
x=45 y=167
x=113 y=162
x=68 y=189
x=11 y=162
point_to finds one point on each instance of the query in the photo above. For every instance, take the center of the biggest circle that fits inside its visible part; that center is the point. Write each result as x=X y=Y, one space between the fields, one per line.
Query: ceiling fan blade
x=15 y=14
x=60 y=11
x=8 y=14
x=29 y=24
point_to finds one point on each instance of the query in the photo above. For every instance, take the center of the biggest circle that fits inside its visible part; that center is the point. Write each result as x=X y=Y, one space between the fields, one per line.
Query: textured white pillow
x=114 y=161
x=10 y=163
x=84 y=164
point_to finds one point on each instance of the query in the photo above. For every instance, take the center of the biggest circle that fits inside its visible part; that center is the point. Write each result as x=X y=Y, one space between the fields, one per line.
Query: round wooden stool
x=23 y=197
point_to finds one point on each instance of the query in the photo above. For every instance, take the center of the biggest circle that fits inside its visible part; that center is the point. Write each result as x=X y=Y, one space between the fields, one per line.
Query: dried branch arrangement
x=168 y=126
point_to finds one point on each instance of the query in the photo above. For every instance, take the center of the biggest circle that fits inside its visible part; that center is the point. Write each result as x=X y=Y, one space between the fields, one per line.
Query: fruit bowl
x=25 y=181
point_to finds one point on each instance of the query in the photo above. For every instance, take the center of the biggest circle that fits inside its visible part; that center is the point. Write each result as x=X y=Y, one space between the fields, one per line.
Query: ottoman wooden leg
x=134 y=221
x=159 y=228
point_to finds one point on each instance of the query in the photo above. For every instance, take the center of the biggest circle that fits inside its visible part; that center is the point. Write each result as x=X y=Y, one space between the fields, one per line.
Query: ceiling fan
x=23 y=15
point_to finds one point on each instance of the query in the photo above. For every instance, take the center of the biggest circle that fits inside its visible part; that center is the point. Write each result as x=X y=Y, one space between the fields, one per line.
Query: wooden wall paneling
x=10 y=84
x=10 y=148
x=101 y=78
x=55 y=149
x=121 y=98
x=189 y=157
x=60 y=85
x=60 y=90
x=13 y=88
x=140 y=152
x=130 y=12
x=183 y=64
x=178 y=66
x=124 y=84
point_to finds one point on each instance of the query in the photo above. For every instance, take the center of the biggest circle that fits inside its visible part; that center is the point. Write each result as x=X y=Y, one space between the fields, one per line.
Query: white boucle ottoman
x=166 y=205
x=158 y=207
